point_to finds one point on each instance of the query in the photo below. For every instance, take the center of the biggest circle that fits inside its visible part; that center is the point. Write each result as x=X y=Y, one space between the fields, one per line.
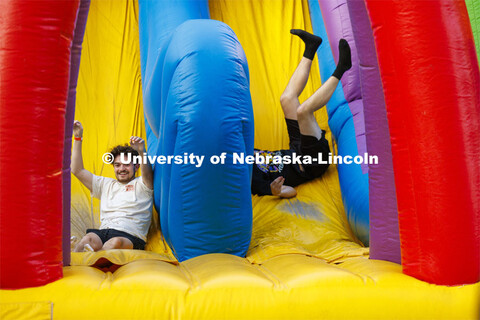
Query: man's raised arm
x=138 y=144
x=85 y=176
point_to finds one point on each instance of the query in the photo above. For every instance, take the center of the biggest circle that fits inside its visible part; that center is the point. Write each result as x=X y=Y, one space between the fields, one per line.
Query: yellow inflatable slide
x=304 y=261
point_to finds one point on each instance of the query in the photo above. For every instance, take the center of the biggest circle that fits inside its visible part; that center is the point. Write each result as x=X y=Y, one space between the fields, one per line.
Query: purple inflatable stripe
x=69 y=118
x=357 y=110
x=384 y=233
x=337 y=23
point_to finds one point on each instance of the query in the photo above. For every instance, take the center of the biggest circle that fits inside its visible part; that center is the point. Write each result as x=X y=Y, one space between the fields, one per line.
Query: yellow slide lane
x=303 y=262
x=314 y=222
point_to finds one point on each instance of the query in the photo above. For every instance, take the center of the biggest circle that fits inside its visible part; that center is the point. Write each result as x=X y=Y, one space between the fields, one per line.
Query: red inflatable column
x=431 y=82
x=35 y=42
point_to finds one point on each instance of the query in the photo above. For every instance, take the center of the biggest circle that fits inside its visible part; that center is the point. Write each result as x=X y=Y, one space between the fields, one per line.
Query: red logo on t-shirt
x=129 y=187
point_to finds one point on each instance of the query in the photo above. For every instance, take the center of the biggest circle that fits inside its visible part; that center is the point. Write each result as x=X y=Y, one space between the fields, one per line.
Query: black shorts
x=308 y=145
x=107 y=234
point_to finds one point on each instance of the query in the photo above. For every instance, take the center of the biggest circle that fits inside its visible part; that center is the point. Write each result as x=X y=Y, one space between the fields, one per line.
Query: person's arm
x=85 y=176
x=278 y=189
x=138 y=144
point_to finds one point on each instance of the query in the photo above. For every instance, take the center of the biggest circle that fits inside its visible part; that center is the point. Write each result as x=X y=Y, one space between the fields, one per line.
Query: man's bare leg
x=289 y=98
x=118 y=243
x=306 y=119
x=91 y=239
x=296 y=84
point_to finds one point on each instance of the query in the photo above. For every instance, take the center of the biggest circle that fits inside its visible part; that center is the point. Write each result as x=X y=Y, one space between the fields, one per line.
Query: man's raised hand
x=138 y=144
x=77 y=129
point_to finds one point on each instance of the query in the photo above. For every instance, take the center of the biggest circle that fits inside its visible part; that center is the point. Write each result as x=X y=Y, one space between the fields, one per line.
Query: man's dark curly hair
x=116 y=151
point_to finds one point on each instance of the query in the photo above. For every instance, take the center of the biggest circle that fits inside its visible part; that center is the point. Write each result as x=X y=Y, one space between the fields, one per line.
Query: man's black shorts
x=308 y=145
x=107 y=234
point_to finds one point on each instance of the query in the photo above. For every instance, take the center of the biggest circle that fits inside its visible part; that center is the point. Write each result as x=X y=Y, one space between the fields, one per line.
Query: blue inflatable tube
x=197 y=102
x=353 y=182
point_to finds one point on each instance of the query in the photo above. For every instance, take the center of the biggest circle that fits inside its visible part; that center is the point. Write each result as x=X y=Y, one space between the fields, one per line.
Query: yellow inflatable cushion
x=220 y=286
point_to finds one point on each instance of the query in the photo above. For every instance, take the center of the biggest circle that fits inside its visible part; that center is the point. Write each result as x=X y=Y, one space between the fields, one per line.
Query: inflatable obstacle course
x=304 y=259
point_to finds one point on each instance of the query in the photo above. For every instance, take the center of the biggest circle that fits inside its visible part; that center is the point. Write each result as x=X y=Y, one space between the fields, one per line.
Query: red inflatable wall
x=35 y=42
x=431 y=82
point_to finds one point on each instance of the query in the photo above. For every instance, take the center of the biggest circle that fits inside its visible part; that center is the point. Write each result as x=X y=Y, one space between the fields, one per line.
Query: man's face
x=124 y=172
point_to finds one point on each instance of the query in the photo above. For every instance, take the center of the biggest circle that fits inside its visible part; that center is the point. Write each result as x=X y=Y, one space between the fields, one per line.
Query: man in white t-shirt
x=125 y=203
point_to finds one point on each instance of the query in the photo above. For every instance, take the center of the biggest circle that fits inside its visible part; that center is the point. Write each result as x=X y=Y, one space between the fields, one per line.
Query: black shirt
x=264 y=174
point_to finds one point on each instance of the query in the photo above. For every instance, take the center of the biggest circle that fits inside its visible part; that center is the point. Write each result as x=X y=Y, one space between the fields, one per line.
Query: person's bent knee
x=91 y=239
x=117 y=243
x=94 y=240
x=287 y=100
x=114 y=243
x=303 y=112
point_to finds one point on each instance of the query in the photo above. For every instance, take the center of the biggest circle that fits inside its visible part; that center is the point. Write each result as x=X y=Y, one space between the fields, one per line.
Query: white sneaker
x=73 y=242
x=88 y=248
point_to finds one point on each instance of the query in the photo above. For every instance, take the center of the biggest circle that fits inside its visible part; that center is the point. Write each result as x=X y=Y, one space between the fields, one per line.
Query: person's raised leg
x=296 y=84
x=306 y=119
x=91 y=239
x=118 y=243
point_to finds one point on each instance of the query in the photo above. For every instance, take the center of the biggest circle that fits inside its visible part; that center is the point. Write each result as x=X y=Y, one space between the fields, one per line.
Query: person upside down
x=306 y=137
